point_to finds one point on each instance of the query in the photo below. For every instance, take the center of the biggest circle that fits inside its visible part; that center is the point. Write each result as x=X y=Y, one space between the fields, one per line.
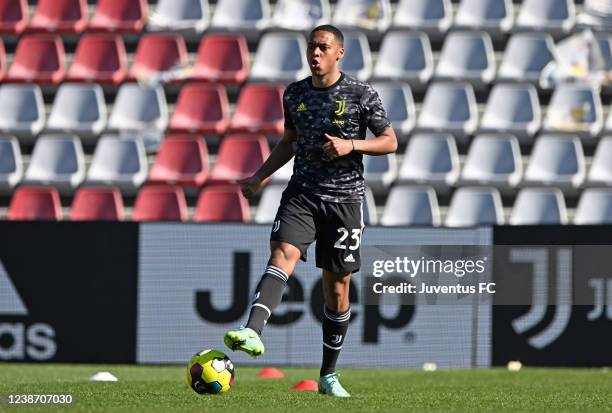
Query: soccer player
x=326 y=116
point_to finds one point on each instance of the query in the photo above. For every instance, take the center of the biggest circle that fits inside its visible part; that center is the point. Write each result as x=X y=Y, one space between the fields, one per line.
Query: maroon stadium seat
x=128 y=16
x=223 y=203
x=201 y=108
x=39 y=58
x=35 y=204
x=100 y=58
x=66 y=16
x=222 y=58
x=13 y=16
x=160 y=203
x=181 y=160
x=157 y=53
x=97 y=204
x=239 y=157
x=3 y=67
x=259 y=109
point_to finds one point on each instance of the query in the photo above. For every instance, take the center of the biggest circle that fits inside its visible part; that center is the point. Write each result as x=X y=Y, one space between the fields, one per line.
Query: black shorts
x=337 y=228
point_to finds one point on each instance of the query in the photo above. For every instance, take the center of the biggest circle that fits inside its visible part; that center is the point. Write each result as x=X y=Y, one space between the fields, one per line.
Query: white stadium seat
x=398 y=102
x=494 y=16
x=380 y=171
x=405 y=57
x=357 y=60
x=431 y=16
x=539 y=206
x=556 y=160
x=301 y=14
x=594 y=207
x=411 y=205
x=280 y=57
x=11 y=164
x=575 y=109
x=493 y=160
x=22 y=111
x=475 y=206
x=189 y=16
x=430 y=159
x=525 y=56
x=467 y=56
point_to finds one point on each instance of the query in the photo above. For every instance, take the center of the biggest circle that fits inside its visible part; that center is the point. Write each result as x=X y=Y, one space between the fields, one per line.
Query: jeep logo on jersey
x=19 y=339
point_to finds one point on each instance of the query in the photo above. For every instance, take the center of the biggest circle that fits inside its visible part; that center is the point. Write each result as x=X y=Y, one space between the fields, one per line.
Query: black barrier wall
x=68 y=291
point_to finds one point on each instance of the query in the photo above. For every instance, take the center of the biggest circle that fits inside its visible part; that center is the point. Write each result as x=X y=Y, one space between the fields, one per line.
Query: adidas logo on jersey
x=349 y=258
x=301 y=107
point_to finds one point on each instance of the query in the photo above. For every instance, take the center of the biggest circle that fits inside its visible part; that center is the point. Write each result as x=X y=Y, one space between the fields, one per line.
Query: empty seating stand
x=379 y=172
x=160 y=203
x=553 y=16
x=97 y=204
x=493 y=16
x=13 y=16
x=246 y=16
x=357 y=60
x=35 y=204
x=121 y=16
x=99 y=58
x=239 y=157
x=11 y=165
x=281 y=57
x=139 y=108
x=431 y=16
x=594 y=207
x=222 y=58
x=398 y=102
x=302 y=14
x=525 y=56
x=181 y=160
x=39 y=58
x=411 y=206
x=201 y=108
x=64 y=16
x=259 y=110
x=22 y=111
x=539 y=206
x=373 y=15
x=600 y=173
x=471 y=207
x=575 y=109
x=185 y=16
x=158 y=53
x=467 y=56
x=223 y=203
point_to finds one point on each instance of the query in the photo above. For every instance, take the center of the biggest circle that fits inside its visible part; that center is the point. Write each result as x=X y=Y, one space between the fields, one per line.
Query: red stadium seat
x=39 y=58
x=97 y=204
x=3 y=67
x=160 y=203
x=66 y=16
x=259 y=109
x=158 y=53
x=223 y=203
x=35 y=204
x=128 y=16
x=201 y=108
x=239 y=157
x=222 y=58
x=181 y=160
x=13 y=16
x=99 y=58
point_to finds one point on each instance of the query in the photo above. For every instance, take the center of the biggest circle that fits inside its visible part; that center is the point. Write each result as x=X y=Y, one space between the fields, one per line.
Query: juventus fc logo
x=336 y=338
x=341 y=105
x=276 y=226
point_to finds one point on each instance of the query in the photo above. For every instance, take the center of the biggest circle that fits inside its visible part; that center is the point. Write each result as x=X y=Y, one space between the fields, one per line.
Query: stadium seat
x=222 y=58
x=493 y=16
x=575 y=109
x=35 y=204
x=181 y=160
x=97 y=204
x=605 y=44
x=539 y=206
x=525 y=56
x=122 y=16
x=242 y=15
x=259 y=109
x=64 y=16
x=369 y=215
x=431 y=16
x=380 y=172
x=283 y=174
x=608 y=126
x=280 y=57
x=493 y=160
x=139 y=108
x=556 y=160
x=513 y=109
x=372 y=15
x=188 y=16
x=268 y=204
x=600 y=173
x=471 y=207
x=158 y=53
x=160 y=203
x=39 y=58
x=552 y=16
x=201 y=108
x=11 y=164
x=405 y=57
x=357 y=60
x=223 y=203
x=239 y=156
x=411 y=205
x=119 y=161
x=22 y=111
x=13 y=16
x=3 y=63
x=467 y=56
x=449 y=108
x=398 y=102
x=594 y=207
x=58 y=161
x=99 y=58
x=430 y=159
x=78 y=109
x=301 y=14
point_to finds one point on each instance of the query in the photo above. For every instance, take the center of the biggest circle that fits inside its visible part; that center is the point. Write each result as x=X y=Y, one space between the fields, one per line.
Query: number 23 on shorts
x=353 y=243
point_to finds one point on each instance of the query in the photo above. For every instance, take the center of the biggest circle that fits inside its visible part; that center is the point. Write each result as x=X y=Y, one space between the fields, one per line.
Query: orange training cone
x=271 y=373
x=306 y=385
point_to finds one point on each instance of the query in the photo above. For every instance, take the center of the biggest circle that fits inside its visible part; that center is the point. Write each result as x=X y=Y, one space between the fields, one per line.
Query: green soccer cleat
x=244 y=339
x=330 y=385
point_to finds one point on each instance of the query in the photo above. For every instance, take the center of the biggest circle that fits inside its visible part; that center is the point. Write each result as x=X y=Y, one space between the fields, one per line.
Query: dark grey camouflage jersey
x=344 y=109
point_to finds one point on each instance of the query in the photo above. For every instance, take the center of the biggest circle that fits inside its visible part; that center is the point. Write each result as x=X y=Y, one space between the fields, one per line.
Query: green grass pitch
x=163 y=389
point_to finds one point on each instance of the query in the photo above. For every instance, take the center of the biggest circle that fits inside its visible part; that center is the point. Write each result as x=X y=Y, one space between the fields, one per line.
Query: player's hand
x=336 y=147
x=249 y=186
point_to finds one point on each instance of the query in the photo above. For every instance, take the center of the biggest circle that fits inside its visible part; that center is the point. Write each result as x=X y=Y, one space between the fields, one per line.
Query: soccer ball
x=210 y=371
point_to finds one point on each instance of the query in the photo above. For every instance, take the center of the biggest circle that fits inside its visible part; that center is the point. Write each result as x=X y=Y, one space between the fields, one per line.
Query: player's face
x=323 y=53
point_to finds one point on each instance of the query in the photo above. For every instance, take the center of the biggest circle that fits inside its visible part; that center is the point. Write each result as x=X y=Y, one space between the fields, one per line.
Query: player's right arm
x=280 y=155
